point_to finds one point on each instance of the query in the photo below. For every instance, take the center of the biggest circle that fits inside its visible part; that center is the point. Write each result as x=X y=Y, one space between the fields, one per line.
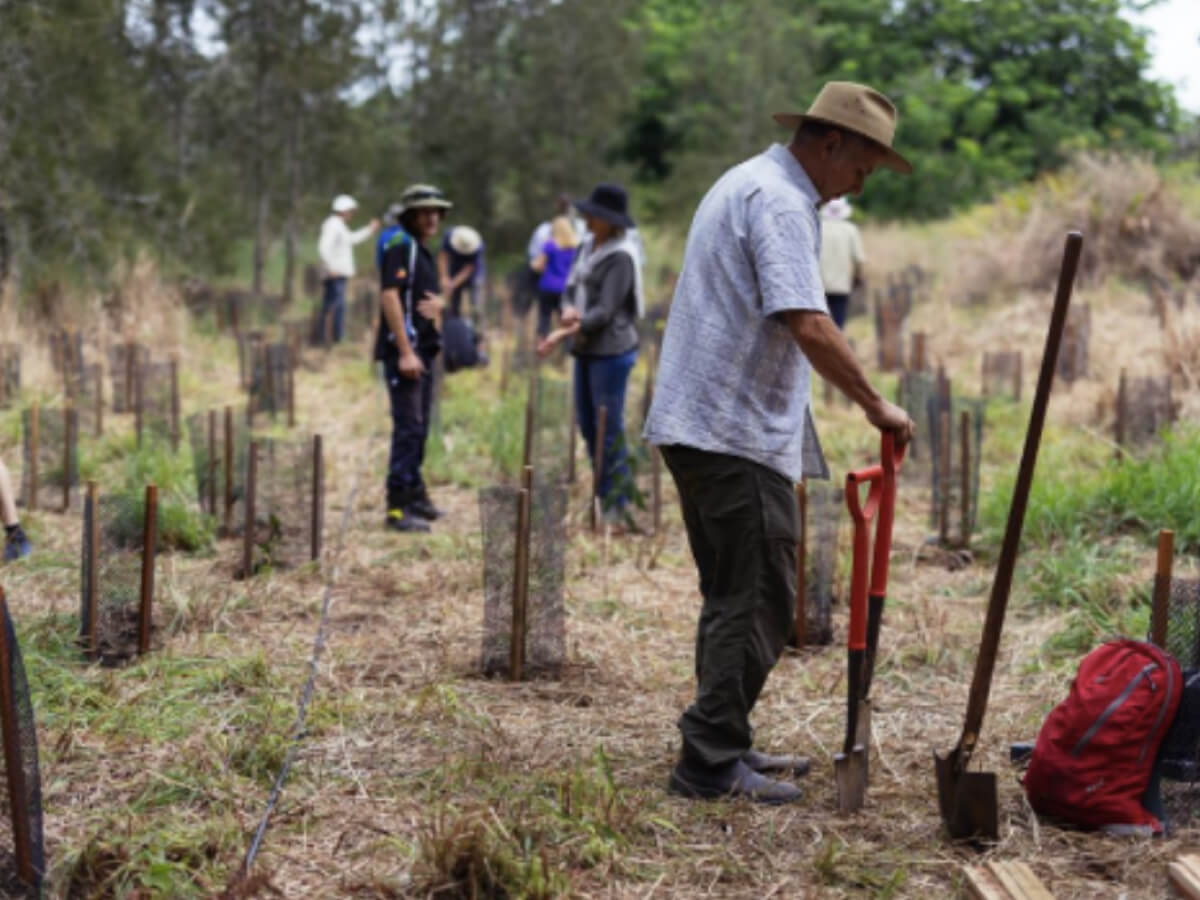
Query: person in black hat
x=601 y=305
x=407 y=342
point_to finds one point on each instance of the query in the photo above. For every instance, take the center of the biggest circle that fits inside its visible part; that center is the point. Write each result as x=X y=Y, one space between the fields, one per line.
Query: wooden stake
x=131 y=370
x=34 y=438
x=291 y=389
x=70 y=427
x=1122 y=389
x=99 y=369
x=1160 y=608
x=530 y=407
x=92 y=522
x=138 y=397
x=149 y=553
x=598 y=465
x=228 y=470
x=520 y=592
x=656 y=489
x=212 y=463
x=175 y=404
x=13 y=764
x=800 y=631
x=572 y=436
x=318 y=496
x=964 y=438
x=917 y=354
x=248 y=505
x=944 y=480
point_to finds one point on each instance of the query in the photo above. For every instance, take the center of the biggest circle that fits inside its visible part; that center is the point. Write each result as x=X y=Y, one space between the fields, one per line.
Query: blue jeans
x=601 y=381
x=334 y=300
x=837 y=308
x=412 y=405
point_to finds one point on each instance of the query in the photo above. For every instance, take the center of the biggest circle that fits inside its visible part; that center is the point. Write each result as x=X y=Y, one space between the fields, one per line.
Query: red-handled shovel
x=850 y=766
x=891 y=459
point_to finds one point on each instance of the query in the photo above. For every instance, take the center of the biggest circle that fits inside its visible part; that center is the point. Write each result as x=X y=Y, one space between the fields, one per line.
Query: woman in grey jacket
x=601 y=306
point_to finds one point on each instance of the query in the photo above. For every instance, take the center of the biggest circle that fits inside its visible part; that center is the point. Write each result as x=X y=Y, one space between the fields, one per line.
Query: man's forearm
x=827 y=350
x=394 y=314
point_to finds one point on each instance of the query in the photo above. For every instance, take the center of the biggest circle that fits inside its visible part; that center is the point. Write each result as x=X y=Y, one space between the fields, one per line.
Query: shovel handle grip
x=891 y=459
x=861 y=514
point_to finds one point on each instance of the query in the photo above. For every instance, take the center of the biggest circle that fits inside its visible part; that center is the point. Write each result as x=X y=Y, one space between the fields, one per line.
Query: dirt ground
x=415 y=774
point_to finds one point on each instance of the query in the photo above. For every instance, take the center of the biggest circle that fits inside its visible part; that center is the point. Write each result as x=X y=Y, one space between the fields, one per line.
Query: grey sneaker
x=734 y=780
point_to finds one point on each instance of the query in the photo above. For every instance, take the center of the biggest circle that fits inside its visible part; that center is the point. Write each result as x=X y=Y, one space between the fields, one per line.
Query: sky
x=1174 y=34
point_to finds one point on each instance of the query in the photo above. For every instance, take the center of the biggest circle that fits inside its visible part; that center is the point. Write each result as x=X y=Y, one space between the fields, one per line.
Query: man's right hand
x=889 y=417
x=411 y=366
x=570 y=315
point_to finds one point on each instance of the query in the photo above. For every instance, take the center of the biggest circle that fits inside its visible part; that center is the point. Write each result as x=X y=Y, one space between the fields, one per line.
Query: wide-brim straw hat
x=344 y=203
x=857 y=108
x=465 y=240
x=423 y=196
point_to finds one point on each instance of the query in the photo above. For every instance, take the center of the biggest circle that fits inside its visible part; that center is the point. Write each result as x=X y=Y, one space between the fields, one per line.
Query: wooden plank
x=1005 y=880
x=1184 y=875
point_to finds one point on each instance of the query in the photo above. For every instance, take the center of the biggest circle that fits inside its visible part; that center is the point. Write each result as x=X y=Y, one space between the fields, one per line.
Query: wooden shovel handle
x=985 y=663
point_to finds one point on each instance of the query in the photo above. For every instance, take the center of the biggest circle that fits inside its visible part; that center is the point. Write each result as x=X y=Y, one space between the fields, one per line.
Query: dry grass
x=418 y=778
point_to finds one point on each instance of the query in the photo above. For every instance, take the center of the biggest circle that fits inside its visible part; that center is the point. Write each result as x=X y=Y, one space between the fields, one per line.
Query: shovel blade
x=862 y=737
x=967 y=800
x=850 y=773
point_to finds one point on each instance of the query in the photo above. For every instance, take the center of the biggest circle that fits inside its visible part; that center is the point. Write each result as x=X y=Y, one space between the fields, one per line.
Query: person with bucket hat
x=407 y=343
x=842 y=257
x=602 y=301
x=748 y=322
x=462 y=270
x=16 y=544
x=335 y=247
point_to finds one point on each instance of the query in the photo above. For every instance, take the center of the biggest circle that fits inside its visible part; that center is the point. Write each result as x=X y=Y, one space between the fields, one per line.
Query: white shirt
x=336 y=247
x=841 y=251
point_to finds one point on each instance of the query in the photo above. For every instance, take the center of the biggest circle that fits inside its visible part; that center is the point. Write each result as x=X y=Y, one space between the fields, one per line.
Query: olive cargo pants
x=741 y=523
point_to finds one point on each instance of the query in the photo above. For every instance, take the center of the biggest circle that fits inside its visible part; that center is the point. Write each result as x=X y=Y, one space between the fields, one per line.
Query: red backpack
x=1096 y=750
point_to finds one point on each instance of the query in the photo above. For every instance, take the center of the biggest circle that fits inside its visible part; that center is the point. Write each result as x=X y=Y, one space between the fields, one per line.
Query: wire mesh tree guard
x=1144 y=408
x=50 y=457
x=1073 y=355
x=955 y=428
x=66 y=353
x=85 y=393
x=10 y=374
x=156 y=403
x=124 y=362
x=284 y=510
x=524 y=570
x=272 y=383
x=116 y=599
x=22 y=850
x=1001 y=375
x=891 y=311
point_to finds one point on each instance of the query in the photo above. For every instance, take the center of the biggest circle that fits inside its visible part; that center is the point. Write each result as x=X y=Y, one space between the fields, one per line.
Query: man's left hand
x=431 y=305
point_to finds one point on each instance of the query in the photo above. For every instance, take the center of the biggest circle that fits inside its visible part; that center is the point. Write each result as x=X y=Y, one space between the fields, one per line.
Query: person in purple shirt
x=553 y=263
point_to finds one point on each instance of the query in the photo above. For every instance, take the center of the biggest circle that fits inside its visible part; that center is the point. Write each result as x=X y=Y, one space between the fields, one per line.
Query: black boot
x=423 y=506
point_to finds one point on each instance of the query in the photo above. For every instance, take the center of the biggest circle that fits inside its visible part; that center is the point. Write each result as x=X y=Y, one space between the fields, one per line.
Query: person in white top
x=842 y=257
x=336 y=249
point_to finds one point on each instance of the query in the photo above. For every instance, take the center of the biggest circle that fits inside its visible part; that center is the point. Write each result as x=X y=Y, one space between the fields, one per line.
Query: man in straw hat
x=461 y=268
x=748 y=322
x=407 y=342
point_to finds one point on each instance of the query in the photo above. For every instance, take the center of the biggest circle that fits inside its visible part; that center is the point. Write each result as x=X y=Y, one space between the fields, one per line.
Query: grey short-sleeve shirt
x=731 y=377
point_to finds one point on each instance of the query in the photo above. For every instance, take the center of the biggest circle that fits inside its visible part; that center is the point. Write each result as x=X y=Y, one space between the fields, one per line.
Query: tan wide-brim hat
x=857 y=108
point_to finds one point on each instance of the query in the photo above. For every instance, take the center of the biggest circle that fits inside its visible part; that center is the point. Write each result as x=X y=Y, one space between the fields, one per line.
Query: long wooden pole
x=149 y=554
x=1160 y=609
x=99 y=370
x=175 y=404
x=212 y=463
x=944 y=477
x=138 y=397
x=68 y=457
x=13 y=764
